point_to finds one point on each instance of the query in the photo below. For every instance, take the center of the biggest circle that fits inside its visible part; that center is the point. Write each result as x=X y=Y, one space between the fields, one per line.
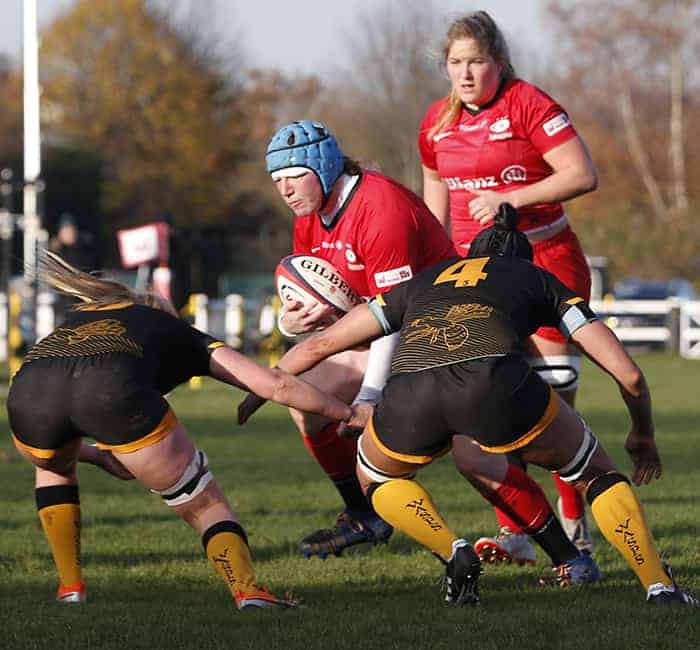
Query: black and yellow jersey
x=470 y=308
x=168 y=351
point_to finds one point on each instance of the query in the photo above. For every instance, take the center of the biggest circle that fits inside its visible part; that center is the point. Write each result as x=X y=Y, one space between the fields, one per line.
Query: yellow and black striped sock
x=620 y=517
x=407 y=506
x=226 y=546
x=59 y=512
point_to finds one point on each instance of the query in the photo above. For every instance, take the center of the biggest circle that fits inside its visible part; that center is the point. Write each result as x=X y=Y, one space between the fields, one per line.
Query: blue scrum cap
x=307 y=144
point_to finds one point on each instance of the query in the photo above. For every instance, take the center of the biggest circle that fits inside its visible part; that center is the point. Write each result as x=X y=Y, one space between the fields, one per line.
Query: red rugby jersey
x=383 y=235
x=499 y=147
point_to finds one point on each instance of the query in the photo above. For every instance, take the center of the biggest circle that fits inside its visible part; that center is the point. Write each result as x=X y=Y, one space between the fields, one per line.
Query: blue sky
x=293 y=36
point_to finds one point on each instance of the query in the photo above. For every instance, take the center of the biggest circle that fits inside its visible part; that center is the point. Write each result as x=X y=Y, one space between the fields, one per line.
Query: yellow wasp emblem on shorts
x=449 y=328
x=107 y=327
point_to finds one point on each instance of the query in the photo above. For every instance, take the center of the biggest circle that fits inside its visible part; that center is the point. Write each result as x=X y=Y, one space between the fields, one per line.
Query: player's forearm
x=306 y=355
x=378 y=368
x=292 y=391
x=601 y=345
x=562 y=185
x=356 y=327
x=638 y=401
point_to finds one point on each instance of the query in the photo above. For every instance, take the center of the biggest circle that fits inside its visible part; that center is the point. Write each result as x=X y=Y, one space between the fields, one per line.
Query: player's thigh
x=473 y=462
x=564 y=441
x=160 y=465
x=341 y=376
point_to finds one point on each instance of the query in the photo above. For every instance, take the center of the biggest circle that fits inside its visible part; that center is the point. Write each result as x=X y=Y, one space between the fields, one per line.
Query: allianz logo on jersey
x=482 y=183
x=510 y=174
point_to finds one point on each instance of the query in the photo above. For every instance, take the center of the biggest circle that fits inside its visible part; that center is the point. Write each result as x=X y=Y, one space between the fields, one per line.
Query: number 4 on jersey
x=465 y=273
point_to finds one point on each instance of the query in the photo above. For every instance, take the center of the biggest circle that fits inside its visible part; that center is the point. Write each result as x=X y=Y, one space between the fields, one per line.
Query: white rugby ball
x=310 y=280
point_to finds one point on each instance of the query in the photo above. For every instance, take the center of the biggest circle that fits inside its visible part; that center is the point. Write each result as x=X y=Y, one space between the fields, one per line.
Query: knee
x=372 y=477
x=192 y=482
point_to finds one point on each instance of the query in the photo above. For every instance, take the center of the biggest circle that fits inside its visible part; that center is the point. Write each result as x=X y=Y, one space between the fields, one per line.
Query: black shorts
x=53 y=401
x=499 y=401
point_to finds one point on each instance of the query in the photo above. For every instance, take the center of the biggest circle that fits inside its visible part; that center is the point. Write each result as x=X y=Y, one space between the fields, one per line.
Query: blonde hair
x=89 y=289
x=482 y=28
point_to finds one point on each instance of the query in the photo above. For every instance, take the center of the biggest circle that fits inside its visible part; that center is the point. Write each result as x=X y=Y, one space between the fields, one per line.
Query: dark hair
x=351 y=167
x=503 y=238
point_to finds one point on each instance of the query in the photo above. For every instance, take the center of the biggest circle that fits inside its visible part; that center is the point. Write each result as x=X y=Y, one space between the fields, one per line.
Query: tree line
x=145 y=116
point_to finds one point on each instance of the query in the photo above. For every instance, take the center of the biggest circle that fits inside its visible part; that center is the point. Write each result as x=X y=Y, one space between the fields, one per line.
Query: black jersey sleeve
x=389 y=308
x=189 y=347
x=567 y=310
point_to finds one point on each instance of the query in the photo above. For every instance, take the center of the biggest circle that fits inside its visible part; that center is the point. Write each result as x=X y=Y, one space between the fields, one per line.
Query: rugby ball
x=312 y=280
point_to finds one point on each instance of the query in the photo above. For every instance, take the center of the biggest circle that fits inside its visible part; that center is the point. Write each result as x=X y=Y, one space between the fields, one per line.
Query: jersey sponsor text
x=393 y=276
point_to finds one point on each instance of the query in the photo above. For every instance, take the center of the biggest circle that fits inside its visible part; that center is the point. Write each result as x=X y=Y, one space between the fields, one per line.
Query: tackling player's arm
x=236 y=369
x=598 y=342
x=200 y=354
x=359 y=325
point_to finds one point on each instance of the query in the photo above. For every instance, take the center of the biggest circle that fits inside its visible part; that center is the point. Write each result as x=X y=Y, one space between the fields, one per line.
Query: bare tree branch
x=639 y=155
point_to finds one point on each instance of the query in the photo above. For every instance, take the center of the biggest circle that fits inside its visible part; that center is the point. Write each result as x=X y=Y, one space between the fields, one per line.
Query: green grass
x=150 y=587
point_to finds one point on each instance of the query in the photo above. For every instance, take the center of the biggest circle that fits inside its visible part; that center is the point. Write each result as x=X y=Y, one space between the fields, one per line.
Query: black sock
x=554 y=542
x=351 y=493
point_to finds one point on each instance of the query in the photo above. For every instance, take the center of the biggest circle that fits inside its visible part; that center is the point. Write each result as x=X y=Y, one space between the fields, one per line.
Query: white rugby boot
x=506 y=547
x=576 y=530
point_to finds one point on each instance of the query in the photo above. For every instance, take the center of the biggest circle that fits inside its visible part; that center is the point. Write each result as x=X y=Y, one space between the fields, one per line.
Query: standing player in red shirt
x=498 y=139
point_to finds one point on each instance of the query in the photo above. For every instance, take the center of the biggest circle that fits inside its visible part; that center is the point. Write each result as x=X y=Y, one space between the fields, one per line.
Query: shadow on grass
x=403 y=611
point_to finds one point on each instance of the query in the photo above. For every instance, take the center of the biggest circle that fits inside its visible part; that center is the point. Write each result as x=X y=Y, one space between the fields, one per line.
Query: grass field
x=149 y=585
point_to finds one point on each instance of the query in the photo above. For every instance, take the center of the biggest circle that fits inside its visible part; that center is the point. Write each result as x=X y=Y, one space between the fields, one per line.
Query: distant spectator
x=75 y=246
x=78 y=249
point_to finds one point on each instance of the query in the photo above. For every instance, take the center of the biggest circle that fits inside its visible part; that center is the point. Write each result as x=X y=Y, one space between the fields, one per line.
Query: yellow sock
x=227 y=549
x=620 y=517
x=408 y=507
x=59 y=512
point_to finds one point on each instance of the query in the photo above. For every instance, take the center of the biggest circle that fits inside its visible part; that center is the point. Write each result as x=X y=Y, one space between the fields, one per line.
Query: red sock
x=520 y=503
x=571 y=501
x=334 y=454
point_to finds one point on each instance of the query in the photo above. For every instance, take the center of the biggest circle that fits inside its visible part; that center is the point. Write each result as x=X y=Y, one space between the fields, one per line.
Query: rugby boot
x=461 y=581
x=660 y=594
x=580 y=570
x=506 y=547
x=260 y=597
x=350 y=529
x=576 y=530
x=73 y=594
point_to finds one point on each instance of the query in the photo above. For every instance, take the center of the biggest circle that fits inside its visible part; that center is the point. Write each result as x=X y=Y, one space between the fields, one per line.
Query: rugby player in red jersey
x=498 y=139
x=378 y=234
